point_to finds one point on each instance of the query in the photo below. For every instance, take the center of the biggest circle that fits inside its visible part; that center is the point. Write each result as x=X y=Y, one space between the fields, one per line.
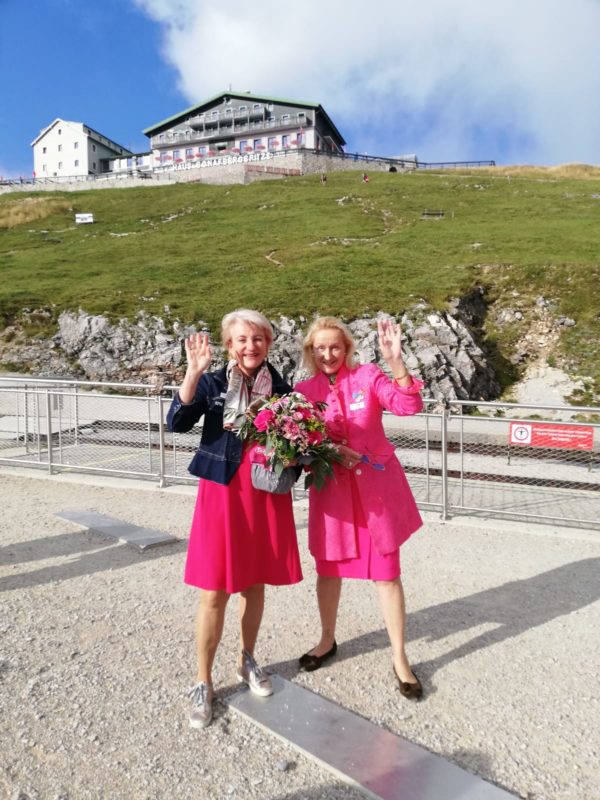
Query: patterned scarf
x=241 y=392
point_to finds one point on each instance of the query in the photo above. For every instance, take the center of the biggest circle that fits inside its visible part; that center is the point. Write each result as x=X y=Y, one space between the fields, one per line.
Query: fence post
x=445 y=463
x=48 y=430
x=76 y=415
x=161 y=444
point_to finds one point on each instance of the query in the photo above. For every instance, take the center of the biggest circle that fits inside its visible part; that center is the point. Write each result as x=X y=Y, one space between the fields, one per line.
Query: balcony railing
x=226 y=130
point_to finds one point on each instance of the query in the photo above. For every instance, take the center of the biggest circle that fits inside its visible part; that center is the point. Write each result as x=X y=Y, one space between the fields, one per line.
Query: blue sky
x=516 y=81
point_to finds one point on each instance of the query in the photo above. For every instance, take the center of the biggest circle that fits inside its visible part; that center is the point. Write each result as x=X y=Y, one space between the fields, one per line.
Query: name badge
x=356 y=406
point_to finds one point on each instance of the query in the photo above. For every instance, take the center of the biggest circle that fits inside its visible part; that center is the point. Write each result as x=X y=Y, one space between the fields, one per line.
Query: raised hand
x=390 y=341
x=198 y=352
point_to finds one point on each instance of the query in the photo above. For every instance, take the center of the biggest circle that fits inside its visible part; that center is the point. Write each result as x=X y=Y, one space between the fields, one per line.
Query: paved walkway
x=97 y=651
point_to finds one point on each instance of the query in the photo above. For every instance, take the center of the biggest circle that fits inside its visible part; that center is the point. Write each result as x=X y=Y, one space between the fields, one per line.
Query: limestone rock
x=438 y=347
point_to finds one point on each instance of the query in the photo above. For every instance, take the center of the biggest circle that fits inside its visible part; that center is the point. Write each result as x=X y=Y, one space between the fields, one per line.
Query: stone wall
x=283 y=165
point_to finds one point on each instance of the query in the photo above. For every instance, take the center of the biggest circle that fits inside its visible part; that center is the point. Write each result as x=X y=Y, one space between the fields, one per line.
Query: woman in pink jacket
x=359 y=519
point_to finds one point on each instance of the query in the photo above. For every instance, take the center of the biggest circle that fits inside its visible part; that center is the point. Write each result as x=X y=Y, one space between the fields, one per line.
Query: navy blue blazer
x=220 y=452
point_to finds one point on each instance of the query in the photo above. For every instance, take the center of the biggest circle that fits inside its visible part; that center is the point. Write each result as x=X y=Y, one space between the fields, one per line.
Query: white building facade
x=67 y=148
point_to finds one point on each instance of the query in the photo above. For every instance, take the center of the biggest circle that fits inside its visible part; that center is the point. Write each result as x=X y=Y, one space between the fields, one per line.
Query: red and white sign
x=549 y=434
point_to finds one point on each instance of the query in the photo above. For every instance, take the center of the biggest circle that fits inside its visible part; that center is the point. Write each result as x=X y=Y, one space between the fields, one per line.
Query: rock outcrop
x=439 y=347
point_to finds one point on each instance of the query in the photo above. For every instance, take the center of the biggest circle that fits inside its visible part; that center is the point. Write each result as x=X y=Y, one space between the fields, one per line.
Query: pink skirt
x=368 y=564
x=241 y=536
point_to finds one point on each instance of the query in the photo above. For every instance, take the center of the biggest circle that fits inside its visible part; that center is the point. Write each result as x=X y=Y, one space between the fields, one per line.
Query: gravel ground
x=97 y=655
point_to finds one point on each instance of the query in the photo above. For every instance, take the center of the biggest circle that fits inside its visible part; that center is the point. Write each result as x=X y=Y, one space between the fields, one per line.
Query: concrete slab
x=141 y=538
x=384 y=766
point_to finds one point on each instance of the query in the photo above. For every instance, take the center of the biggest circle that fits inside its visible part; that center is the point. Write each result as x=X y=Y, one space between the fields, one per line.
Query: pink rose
x=263 y=419
x=315 y=437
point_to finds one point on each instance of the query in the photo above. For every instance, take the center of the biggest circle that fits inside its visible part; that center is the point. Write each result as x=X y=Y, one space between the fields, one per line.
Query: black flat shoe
x=412 y=691
x=309 y=663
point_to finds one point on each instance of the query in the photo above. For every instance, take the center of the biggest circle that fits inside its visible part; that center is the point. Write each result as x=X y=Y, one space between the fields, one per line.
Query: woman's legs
x=391 y=597
x=328 y=597
x=252 y=604
x=209 y=629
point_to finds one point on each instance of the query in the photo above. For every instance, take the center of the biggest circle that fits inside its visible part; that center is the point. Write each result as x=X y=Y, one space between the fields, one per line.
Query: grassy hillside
x=296 y=247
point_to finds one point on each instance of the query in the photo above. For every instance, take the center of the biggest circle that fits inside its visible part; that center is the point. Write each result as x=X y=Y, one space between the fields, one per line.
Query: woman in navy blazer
x=241 y=537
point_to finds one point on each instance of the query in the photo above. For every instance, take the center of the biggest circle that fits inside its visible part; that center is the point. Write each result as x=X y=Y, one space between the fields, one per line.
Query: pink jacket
x=354 y=417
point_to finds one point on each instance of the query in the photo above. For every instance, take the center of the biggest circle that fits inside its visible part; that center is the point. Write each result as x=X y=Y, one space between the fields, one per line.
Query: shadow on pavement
x=513 y=607
x=106 y=555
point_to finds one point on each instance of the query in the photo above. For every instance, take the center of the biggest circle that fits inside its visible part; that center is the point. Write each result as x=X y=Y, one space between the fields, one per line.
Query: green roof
x=241 y=96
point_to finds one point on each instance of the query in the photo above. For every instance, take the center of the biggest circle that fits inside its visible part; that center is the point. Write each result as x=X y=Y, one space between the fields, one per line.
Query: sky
x=517 y=81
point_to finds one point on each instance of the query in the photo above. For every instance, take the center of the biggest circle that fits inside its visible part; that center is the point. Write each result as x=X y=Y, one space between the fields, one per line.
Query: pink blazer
x=355 y=404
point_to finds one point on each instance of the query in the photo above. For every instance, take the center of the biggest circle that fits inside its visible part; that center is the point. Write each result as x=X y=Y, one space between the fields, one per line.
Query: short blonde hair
x=321 y=324
x=250 y=317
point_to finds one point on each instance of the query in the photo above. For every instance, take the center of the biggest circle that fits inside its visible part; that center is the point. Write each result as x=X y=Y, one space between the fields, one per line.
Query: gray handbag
x=269 y=481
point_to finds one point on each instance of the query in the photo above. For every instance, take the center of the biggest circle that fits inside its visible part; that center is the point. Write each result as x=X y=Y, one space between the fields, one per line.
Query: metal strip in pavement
x=383 y=765
x=142 y=538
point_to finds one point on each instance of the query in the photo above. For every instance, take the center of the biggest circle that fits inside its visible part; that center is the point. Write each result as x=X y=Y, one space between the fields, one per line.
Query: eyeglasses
x=366 y=460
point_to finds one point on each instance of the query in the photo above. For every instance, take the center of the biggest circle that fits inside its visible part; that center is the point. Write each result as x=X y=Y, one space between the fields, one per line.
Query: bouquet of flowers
x=292 y=431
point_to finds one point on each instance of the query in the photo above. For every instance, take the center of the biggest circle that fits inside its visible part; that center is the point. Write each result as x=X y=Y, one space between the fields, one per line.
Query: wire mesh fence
x=488 y=459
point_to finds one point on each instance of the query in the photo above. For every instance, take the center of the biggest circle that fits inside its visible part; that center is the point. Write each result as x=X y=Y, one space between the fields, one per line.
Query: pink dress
x=241 y=536
x=359 y=519
x=368 y=563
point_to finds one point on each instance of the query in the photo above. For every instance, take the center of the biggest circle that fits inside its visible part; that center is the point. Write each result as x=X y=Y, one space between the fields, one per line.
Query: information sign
x=550 y=434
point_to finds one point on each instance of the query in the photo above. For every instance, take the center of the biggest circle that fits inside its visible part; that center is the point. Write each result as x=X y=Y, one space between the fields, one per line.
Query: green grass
x=538 y=233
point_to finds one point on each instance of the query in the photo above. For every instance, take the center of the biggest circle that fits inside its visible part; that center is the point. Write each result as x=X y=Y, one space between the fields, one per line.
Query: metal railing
x=456 y=461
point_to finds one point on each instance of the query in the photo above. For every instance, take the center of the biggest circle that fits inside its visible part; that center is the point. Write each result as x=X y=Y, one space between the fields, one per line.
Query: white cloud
x=520 y=77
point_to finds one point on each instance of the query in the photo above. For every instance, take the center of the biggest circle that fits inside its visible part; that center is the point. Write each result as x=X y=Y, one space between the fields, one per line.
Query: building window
x=301 y=139
x=258 y=145
x=139 y=161
x=60 y=164
x=59 y=131
x=285 y=117
x=76 y=162
x=163 y=158
x=176 y=155
x=161 y=137
x=59 y=148
x=243 y=145
x=94 y=148
x=44 y=167
x=243 y=108
x=256 y=106
x=43 y=149
x=272 y=143
x=285 y=140
x=93 y=165
x=215 y=115
x=76 y=145
x=189 y=152
x=130 y=162
x=301 y=116
x=202 y=150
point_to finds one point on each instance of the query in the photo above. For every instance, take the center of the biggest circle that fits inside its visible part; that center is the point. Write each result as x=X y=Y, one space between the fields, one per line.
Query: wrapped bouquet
x=291 y=430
